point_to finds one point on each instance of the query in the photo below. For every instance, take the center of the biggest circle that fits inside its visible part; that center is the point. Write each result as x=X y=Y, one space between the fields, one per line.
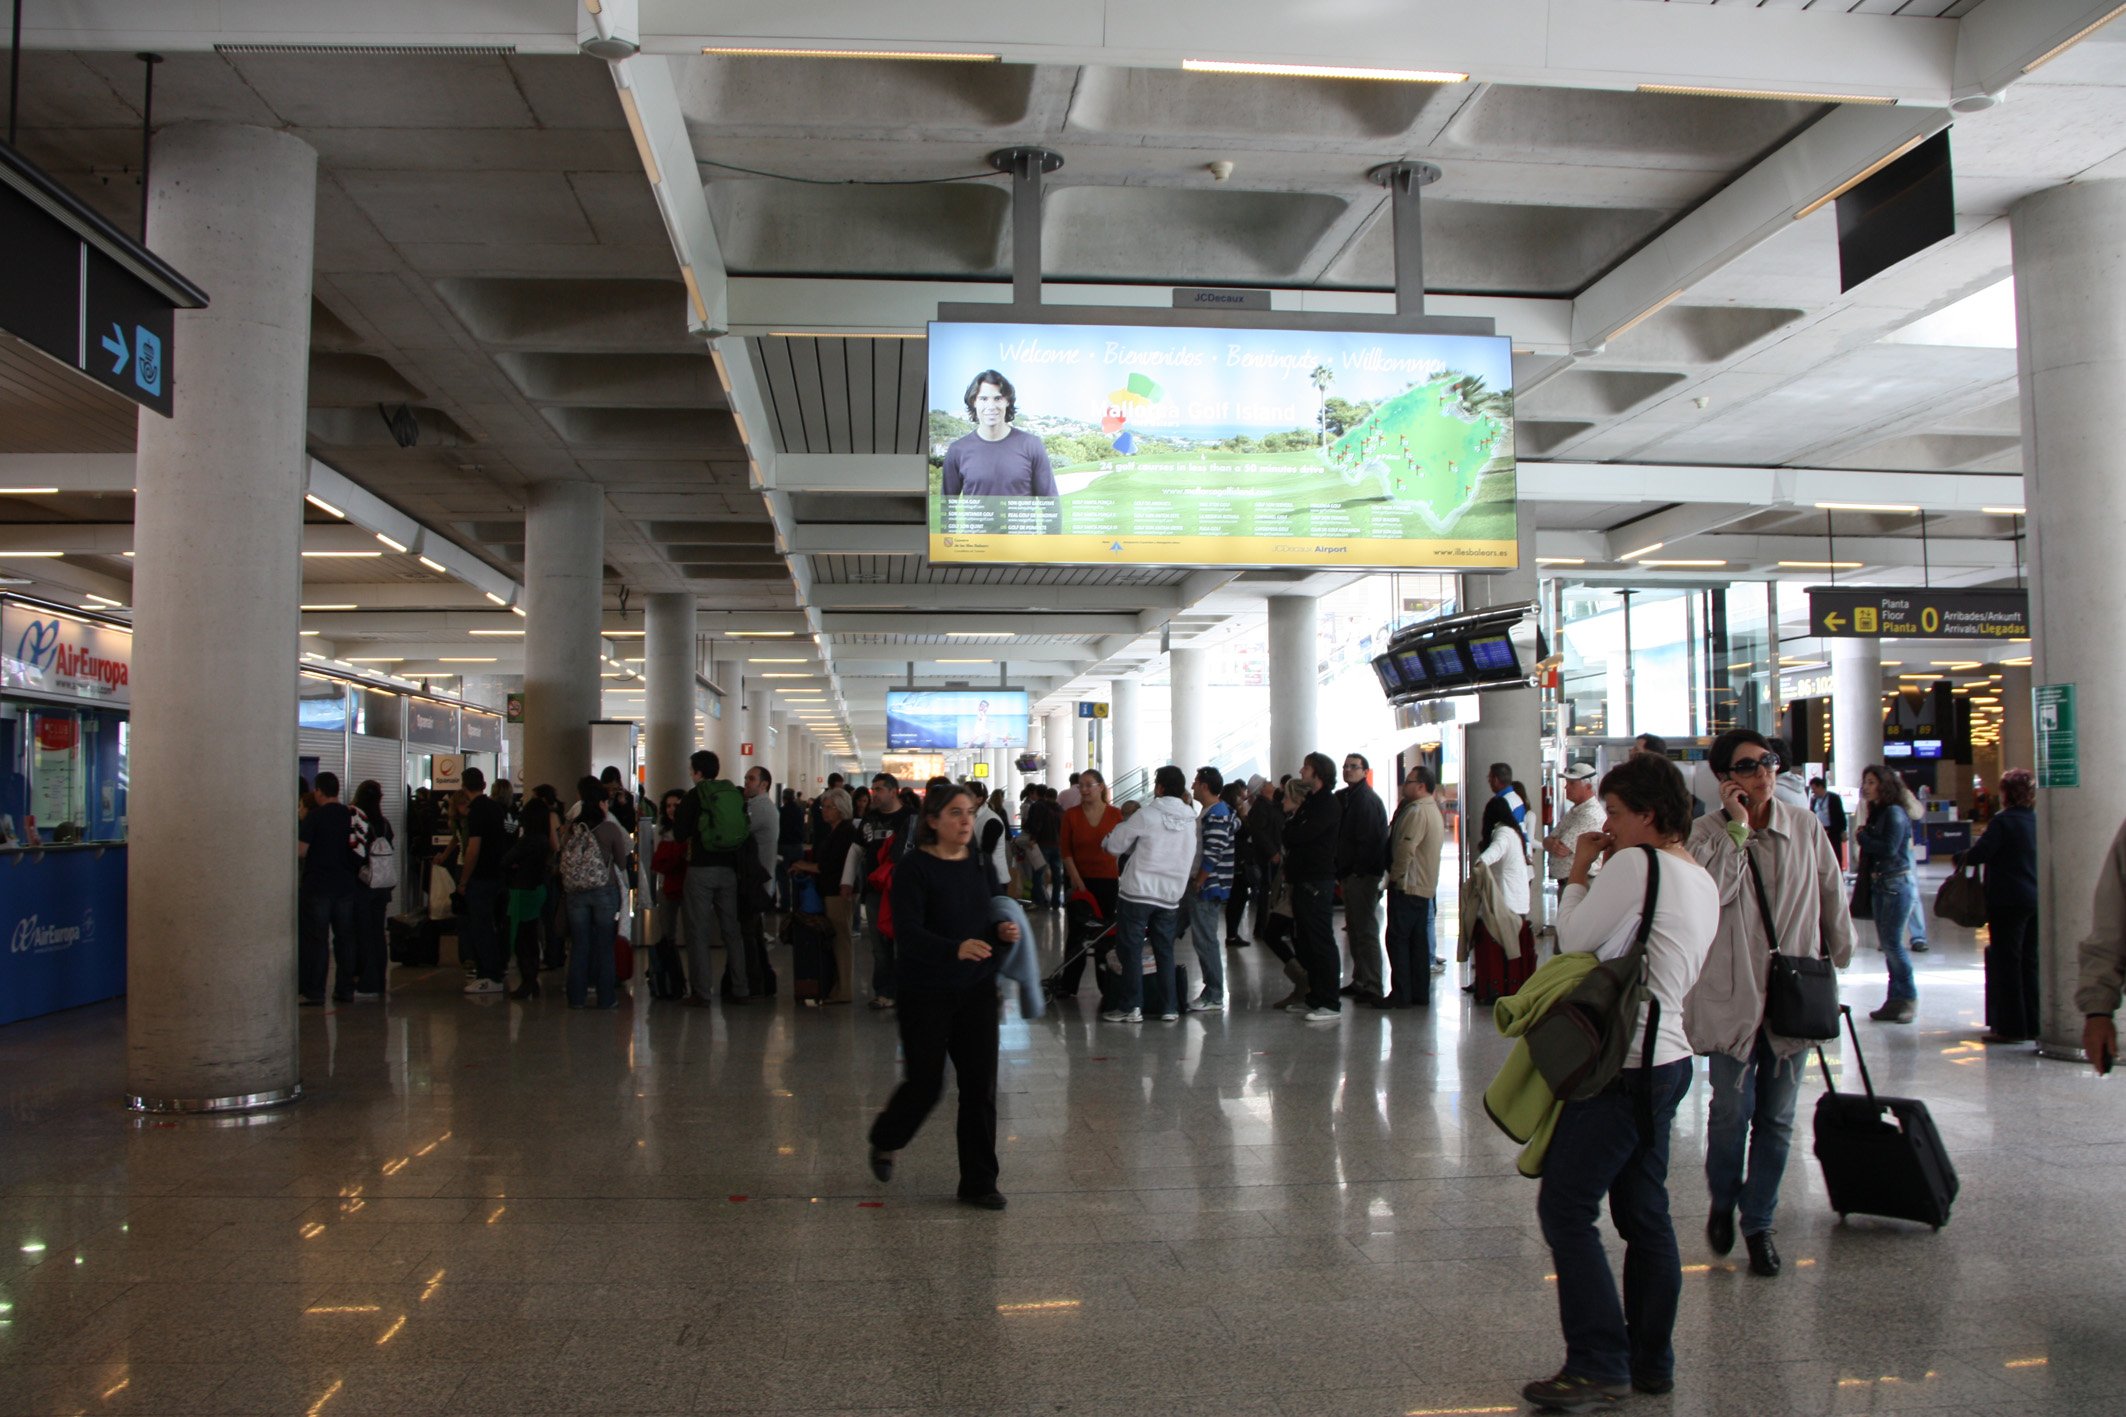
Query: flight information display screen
x=1493 y=656
x=1446 y=662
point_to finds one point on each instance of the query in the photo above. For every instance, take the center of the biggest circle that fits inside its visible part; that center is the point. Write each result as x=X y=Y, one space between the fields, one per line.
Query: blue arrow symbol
x=114 y=344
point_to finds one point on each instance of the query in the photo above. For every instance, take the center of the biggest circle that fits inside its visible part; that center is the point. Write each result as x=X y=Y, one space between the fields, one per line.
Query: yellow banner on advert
x=1359 y=553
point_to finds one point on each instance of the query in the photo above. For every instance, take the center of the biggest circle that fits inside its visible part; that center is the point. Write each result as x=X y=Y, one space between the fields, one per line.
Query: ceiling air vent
x=233 y=50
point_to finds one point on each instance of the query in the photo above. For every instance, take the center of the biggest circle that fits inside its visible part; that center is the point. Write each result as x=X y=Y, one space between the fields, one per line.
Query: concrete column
x=1081 y=745
x=726 y=666
x=1295 y=683
x=2070 y=253
x=211 y=961
x=2018 y=726
x=1060 y=766
x=758 y=729
x=1190 y=700
x=1511 y=728
x=564 y=584
x=785 y=753
x=668 y=649
x=1126 y=721
x=1856 y=709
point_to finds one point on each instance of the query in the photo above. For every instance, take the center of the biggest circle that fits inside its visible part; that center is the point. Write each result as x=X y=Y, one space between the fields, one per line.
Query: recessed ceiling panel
x=1504 y=248
x=1155 y=233
x=769 y=227
x=571 y=314
x=750 y=92
x=1170 y=101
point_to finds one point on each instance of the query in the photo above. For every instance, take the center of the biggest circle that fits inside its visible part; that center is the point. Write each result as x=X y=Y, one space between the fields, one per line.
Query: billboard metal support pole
x=1027 y=167
x=1403 y=181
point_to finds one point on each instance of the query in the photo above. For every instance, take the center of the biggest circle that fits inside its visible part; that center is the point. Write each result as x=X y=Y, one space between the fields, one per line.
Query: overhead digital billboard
x=939 y=720
x=1143 y=445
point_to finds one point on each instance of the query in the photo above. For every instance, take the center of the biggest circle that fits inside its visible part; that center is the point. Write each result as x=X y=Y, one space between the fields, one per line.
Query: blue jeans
x=1206 y=931
x=1916 y=920
x=592 y=925
x=1053 y=855
x=478 y=932
x=325 y=935
x=1752 y=1119
x=1893 y=912
x=1597 y=1151
x=1409 y=949
x=1139 y=920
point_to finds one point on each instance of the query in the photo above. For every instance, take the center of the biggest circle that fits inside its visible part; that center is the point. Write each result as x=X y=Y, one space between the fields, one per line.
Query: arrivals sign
x=83 y=292
x=52 y=653
x=1916 y=613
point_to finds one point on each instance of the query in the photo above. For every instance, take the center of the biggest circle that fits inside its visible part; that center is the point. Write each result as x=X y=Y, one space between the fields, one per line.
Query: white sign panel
x=49 y=652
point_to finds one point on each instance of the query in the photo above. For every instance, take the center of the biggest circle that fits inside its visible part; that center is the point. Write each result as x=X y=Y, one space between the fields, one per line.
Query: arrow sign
x=1834 y=622
x=114 y=345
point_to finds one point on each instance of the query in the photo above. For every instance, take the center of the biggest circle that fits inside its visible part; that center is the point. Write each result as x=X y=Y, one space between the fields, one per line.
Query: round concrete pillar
x=1295 y=683
x=564 y=585
x=1125 y=721
x=1856 y=709
x=668 y=662
x=2070 y=296
x=1060 y=763
x=217 y=577
x=1189 y=700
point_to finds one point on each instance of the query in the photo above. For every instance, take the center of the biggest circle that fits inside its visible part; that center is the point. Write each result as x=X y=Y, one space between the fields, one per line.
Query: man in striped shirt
x=1212 y=885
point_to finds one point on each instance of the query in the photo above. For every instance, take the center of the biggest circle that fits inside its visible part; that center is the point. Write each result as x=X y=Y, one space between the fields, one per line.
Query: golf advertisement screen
x=941 y=720
x=1120 y=445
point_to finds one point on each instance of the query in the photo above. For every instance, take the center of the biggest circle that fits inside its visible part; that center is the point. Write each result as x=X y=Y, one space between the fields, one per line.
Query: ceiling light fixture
x=509 y=634
x=376 y=659
x=326 y=607
x=785 y=676
x=324 y=506
x=29 y=491
x=398 y=546
x=495 y=598
x=448 y=659
x=624 y=634
x=1324 y=71
x=793 y=659
x=643 y=151
x=1820 y=565
x=2071 y=41
x=1679 y=564
x=518 y=610
x=1774 y=95
x=1861 y=176
x=1642 y=551
x=938 y=56
x=2005 y=511
x=966 y=661
x=345 y=555
x=1561 y=560
x=757 y=634
x=1866 y=507
x=1644 y=315
x=437 y=566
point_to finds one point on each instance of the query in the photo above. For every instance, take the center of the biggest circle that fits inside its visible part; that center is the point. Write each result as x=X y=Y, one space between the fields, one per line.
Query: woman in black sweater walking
x=946 y=944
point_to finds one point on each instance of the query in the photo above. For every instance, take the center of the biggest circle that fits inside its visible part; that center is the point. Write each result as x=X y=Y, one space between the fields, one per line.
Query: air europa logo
x=33 y=936
x=42 y=646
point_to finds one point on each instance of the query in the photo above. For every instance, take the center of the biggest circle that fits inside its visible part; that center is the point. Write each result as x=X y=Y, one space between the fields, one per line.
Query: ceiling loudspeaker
x=405 y=428
x=609 y=29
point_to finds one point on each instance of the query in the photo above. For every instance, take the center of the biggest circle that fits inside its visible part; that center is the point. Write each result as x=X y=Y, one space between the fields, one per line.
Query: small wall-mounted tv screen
x=935 y=720
x=1194 y=445
x=1410 y=663
x=1492 y=657
x=1391 y=679
x=1897 y=748
x=1446 y=663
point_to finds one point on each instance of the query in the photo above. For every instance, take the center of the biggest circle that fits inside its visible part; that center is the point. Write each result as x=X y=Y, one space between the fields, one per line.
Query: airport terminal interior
x=419 y=397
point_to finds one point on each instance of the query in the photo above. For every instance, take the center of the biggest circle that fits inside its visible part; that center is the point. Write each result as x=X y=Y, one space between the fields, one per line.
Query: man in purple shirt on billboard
x=996 y=459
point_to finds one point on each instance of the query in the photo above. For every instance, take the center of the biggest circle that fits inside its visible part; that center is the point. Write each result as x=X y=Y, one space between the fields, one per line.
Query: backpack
x=583 y=863
x=723 y=827
x=382 y=871
x=881 y=880
x=1584 y=1040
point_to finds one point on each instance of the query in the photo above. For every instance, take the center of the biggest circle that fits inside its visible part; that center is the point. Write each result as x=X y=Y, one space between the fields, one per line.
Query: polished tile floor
x=489 y=1207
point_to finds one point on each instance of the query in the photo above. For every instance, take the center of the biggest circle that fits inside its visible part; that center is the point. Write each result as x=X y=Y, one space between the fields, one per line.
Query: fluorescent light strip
x=437 y=566
x=1774 y=95
x=940 y=56
x=105 y=600
x=1865 y=507
x=2005 y=511
x=798 y=659
x=1642 y=551
x=1675 y=564
x=344 y=555
x=1325 y=71
x=327 y=607
x=496 y=599
x=397 y=546
x=643 y=151
x=1561 y=560
x=1863 y=175
x=786 y=676
x=377 y=659
x=2079 y=35
x=1647 y=314
x=324 y=506
x=29 y=491
x=964 y=661
x=447 y=659
x=505 y=633
x=1821 y=565
x=743 y=634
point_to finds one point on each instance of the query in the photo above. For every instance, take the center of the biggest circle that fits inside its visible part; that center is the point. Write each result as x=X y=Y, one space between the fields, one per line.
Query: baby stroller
x=1087 y=935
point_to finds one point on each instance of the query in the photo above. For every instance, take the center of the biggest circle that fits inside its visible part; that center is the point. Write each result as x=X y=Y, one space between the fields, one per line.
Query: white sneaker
x=1299 y=1006
x=1122 y=1016
x=486 y=986
x=1439 y=966
x=1201 y=1005
x=1323 y=1015
x=1169 y=1016
x=361 y=994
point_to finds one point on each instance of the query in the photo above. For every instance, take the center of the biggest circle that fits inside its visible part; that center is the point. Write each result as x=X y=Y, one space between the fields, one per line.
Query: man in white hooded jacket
x=1157 y=847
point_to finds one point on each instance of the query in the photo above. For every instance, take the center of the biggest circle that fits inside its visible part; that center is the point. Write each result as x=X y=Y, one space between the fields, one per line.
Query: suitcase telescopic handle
x=1845 y=1011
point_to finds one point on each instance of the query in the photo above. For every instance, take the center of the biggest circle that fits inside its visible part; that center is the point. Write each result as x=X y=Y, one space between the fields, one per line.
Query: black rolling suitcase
x=1881 y=1155
x=414 y=940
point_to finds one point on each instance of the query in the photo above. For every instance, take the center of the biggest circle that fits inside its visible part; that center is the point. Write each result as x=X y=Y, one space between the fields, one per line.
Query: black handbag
x=1801 y=992
x=1863 y=903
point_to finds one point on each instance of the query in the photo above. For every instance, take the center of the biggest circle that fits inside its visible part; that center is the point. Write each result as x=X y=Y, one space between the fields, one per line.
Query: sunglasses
x=1743 y=767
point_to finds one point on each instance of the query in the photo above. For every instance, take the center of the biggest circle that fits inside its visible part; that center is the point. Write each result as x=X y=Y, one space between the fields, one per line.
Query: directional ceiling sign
x=1915 y=613
x=83 y=292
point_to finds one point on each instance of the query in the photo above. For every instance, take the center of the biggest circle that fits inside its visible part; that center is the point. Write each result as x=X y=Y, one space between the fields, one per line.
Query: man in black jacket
x=1310 y=865
x=1361 y=863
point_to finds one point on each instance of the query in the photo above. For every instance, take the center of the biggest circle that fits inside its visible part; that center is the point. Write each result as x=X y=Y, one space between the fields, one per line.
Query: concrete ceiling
x=491 y=255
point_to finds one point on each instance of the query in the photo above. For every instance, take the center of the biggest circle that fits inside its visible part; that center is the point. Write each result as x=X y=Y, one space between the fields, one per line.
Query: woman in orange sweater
x=1084 y=842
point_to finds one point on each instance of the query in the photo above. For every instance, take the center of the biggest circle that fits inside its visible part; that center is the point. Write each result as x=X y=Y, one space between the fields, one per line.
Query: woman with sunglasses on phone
x=1772 y=862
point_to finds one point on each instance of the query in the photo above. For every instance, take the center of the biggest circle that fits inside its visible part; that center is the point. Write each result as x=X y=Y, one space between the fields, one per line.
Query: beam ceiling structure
x=700 y=281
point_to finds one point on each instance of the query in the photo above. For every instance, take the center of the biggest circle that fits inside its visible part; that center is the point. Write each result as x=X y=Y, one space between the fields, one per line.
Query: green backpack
x=723 y=825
